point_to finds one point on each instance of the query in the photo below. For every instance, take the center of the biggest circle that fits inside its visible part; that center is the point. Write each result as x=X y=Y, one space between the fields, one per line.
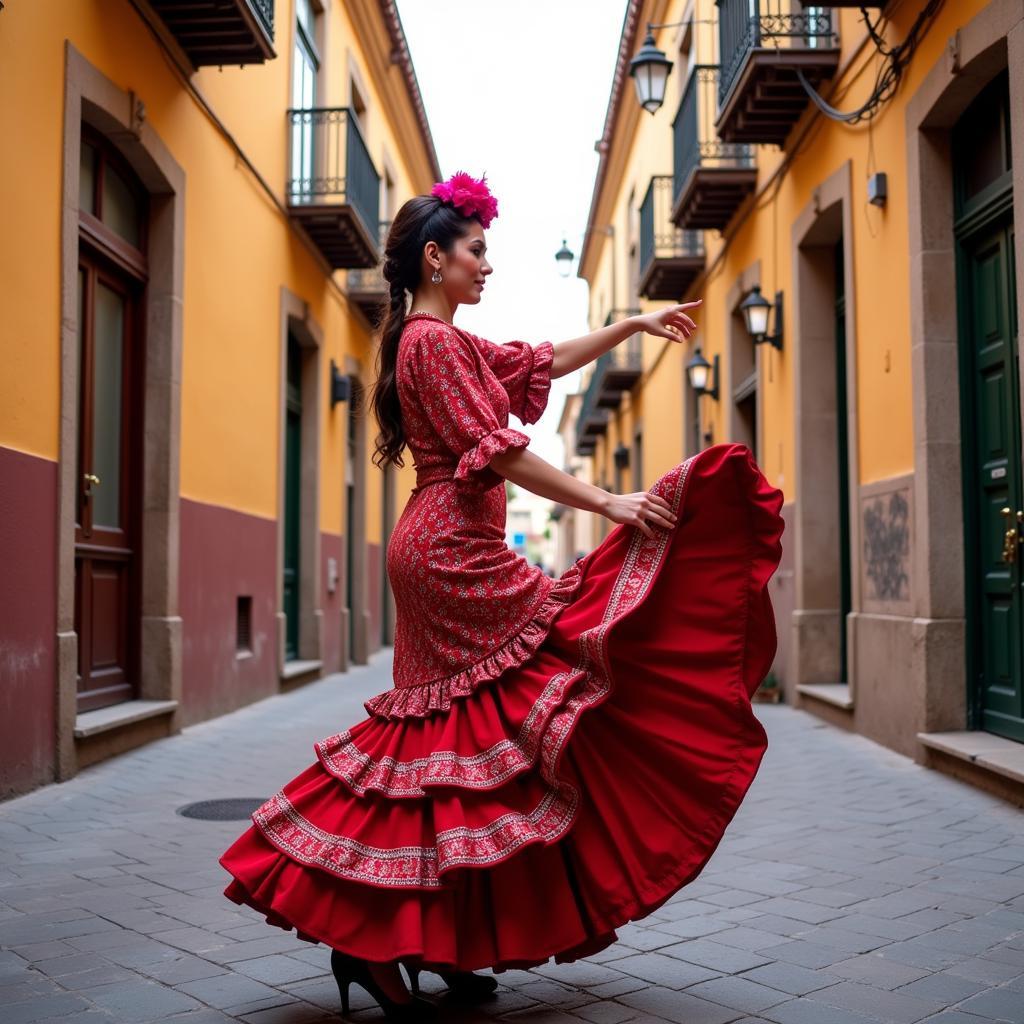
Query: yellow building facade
x=883 y=392
x=194 y=217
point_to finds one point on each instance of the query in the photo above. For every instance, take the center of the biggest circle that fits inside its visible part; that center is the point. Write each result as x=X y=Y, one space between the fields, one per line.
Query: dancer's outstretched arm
x=522 y=467
x=670 y=322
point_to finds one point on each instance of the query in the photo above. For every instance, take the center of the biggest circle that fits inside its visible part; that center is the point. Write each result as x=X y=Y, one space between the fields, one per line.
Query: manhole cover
x=233 y=809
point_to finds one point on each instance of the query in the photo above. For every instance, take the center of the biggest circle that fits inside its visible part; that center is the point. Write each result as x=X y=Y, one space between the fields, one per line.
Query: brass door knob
x=92 y=478
x=1011 y=538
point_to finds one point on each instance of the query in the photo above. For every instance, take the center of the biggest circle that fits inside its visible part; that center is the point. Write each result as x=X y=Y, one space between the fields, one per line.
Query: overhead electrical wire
x=887 y=80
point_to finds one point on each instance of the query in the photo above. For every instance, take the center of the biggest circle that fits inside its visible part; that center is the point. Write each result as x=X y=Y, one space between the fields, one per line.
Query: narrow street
x=853 y=886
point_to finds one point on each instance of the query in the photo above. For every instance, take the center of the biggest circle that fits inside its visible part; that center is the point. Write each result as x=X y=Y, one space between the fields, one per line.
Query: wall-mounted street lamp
x=703 y=375
x=649 y=70
x=341 y=385
x=755 y=308
x=621 y=456
x=565 y=256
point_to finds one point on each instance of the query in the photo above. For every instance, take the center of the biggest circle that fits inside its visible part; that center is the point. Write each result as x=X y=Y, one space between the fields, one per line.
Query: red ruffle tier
x=575 y=790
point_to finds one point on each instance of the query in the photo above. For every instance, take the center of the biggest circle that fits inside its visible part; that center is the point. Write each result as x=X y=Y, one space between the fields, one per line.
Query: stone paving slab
x=853 y=887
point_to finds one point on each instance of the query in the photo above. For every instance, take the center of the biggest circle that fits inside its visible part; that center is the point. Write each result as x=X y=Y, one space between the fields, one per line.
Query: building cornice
x=400 y=55
x=627 y=46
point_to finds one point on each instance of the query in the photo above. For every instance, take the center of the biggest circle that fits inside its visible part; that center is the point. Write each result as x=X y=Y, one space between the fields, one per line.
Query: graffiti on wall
x=886 y=533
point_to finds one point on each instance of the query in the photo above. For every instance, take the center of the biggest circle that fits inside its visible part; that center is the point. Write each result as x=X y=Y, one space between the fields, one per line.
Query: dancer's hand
x=637 y=508
x=670 y=322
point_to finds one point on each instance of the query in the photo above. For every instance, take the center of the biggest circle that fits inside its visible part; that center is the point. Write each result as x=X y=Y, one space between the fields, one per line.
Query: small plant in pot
x=769 y=692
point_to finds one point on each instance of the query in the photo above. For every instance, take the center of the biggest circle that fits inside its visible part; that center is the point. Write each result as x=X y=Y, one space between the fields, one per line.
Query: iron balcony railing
x=659 y=237
x=746 y=25
x=371 y=279
x=328 y=162
x=264 y=10
x=593 y=420
x=695 y=143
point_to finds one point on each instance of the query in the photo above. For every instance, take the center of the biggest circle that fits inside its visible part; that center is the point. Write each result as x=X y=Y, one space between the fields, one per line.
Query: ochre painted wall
x=881 y=270
x=239 y=248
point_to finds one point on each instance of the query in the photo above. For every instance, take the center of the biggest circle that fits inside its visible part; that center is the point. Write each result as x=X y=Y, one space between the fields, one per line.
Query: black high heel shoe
x=348 y=969
x=465 y=984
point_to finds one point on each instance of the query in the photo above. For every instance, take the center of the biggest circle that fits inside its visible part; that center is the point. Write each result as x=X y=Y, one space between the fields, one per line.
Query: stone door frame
x=91 y=97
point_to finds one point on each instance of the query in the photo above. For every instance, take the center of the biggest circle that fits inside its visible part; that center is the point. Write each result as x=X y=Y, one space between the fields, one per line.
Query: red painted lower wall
x=28 y=621
x=225 y=554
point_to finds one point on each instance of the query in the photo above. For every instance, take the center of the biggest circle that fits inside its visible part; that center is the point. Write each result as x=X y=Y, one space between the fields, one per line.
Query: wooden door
x=842 y=460
x=107 y=514
x=994 y=487
x=292 y=497
x=991 y=411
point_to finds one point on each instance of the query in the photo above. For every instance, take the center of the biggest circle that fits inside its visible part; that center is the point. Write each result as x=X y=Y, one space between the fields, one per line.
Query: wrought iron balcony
x=763 y=45
x=712 y=178
x=367 y=287
x=333 y=190
x=619 y=369
x=593 y=420
x=670 y=259
x=220 y=31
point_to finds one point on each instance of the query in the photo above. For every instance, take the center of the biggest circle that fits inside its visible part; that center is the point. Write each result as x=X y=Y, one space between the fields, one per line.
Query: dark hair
x=421 y=219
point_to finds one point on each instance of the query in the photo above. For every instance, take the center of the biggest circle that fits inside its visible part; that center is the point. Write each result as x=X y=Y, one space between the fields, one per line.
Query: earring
x=436 y=276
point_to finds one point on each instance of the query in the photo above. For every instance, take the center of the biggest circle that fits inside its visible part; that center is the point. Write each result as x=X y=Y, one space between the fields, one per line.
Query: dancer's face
x=465 y=269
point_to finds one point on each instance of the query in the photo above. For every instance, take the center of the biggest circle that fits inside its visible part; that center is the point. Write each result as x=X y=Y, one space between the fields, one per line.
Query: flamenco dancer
x=557 y=756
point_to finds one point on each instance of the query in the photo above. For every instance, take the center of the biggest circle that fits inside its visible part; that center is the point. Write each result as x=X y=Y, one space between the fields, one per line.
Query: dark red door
x=106 y=521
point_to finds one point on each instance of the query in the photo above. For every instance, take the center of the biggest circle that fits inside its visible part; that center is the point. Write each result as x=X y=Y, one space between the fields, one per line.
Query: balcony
x=367 y=288
x=592 y=422
x=670 y=259
x=765 y=46
x=333 y=190
x=712 y=178
x=619 y=369
x=220 y=31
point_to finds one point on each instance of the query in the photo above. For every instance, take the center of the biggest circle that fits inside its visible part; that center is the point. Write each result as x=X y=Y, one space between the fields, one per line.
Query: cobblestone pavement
x=852 y=886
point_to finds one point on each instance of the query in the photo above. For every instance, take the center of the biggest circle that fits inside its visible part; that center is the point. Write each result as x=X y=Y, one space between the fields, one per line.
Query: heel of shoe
x=347 y=968
x=414 y=980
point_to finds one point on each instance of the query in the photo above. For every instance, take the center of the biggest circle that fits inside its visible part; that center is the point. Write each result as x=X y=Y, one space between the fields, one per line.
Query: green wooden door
x=842 y=461
x=292 y=494
x=994 y=491
x=991 y=410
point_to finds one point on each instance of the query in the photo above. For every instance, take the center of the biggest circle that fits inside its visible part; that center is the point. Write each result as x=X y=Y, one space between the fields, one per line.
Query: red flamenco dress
x=557 y=756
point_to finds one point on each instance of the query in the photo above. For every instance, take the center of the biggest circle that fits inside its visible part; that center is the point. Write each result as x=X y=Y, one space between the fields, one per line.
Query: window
x=243 y=625
x=105 y=191
x=305 y=68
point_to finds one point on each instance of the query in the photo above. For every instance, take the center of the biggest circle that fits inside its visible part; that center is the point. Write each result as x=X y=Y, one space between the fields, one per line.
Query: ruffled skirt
x=565 y=795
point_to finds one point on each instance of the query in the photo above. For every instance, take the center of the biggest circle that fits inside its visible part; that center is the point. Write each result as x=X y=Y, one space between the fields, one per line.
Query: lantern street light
x=649 y=70
x=564 y=256
x=755 y=308
x=702 y=379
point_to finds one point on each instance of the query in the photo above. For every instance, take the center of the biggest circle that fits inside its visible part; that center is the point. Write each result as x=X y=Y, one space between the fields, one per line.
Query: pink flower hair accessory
x=469 y=195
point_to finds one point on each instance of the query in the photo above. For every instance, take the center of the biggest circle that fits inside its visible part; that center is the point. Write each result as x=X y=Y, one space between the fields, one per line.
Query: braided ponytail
x=421 y=219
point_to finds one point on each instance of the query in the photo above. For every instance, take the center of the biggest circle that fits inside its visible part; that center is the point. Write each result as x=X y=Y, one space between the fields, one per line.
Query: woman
x=557 y=756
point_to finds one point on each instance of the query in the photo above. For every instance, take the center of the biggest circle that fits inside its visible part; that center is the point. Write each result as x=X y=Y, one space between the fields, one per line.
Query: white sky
x=518 y=89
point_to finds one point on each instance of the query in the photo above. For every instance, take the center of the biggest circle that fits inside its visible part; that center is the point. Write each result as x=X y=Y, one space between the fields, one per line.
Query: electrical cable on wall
x=887 y=80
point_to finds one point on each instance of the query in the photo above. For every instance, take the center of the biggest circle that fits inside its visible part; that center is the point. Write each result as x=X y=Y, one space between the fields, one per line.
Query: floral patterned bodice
x=467 y=605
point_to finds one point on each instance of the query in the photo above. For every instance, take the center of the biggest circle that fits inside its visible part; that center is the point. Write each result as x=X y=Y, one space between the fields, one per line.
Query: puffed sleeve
x=455 y=402
x=524 y=371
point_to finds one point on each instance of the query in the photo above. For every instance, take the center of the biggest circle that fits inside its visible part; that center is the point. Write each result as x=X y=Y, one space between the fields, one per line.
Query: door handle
x=1011 y=538
x=91 y=479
